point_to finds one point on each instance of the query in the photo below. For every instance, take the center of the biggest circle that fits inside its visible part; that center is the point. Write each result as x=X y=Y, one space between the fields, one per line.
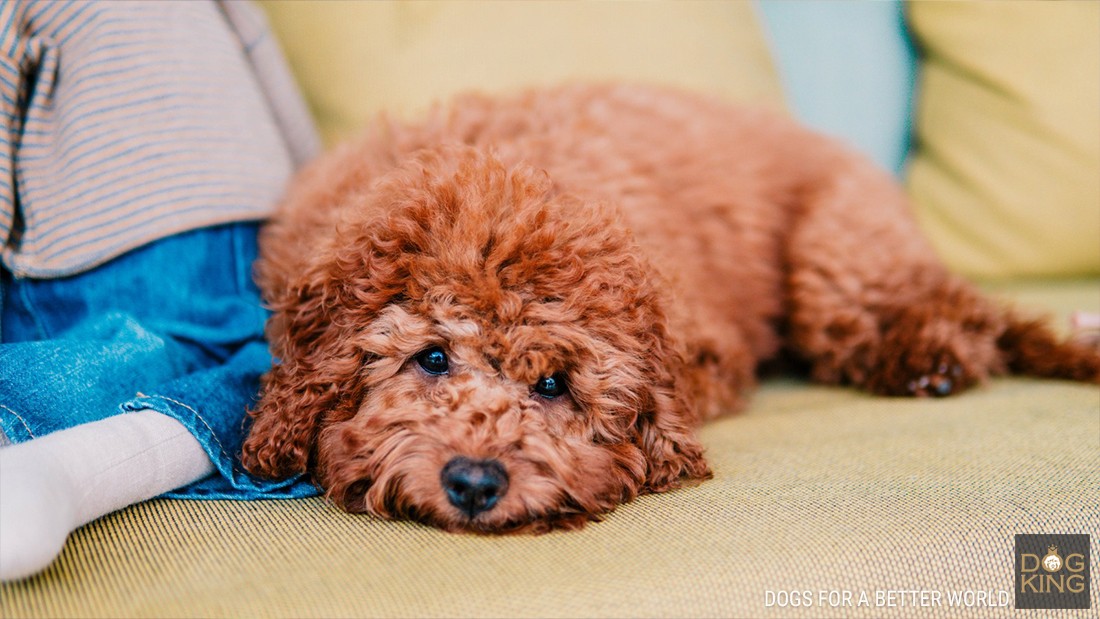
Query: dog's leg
x=870 y=305
x=721 y=372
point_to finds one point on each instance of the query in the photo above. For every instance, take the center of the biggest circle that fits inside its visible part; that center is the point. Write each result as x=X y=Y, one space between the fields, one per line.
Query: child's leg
x=173 y=333
x=52 y=485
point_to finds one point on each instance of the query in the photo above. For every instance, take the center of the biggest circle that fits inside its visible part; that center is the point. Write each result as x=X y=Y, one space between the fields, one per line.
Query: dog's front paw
x=925 y=354
x=922 y=374
x=943 y=382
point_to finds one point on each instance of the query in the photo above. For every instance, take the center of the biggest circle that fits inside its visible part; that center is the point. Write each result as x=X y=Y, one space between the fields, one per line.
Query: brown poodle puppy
x=515 y=314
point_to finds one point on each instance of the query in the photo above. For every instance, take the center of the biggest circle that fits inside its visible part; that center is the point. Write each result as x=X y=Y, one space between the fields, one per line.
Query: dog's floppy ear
x=298 y=394
x=324 y=290
x=319 y=305
x=314 y=379
x=666 y=426
x=667 y=439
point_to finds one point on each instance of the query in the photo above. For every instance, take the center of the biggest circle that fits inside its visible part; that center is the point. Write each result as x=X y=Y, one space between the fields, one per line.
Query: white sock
x=51 y=485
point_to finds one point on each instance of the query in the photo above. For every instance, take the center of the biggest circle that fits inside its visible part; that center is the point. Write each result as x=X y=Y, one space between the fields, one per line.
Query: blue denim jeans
x=175 y=326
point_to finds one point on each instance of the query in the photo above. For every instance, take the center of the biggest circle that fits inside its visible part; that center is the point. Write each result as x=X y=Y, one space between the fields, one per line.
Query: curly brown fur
x=648 y=247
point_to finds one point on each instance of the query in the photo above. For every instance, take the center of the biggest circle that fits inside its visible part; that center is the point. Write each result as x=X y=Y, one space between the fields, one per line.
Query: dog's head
x=475 y=350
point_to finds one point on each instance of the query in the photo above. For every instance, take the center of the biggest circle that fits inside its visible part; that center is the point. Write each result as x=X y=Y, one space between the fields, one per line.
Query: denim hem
x=13 y=426
x=230 y=482
x=194 y=422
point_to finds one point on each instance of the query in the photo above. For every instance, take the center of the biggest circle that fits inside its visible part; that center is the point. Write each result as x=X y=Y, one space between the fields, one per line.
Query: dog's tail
x=1030 y=347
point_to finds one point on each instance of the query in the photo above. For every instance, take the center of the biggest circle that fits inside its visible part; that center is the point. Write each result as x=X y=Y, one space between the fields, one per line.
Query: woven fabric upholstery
x=815 y=488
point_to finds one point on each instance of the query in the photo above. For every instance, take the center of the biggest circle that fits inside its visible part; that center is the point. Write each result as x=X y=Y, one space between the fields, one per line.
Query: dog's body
x=595 y=270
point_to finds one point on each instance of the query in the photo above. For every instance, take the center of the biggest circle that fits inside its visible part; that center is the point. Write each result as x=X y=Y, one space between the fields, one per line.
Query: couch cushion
x=848 y=70
x=1006 y=175
x=815 y=488
x=354 y=59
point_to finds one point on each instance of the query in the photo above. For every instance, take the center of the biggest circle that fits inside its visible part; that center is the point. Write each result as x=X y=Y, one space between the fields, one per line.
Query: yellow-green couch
x=817 y=490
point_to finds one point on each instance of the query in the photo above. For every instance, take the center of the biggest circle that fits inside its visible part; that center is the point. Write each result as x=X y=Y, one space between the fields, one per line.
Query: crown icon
x=1052 y=550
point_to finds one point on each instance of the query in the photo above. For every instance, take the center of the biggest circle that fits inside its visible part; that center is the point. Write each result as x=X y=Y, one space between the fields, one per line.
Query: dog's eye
x=433 y=360
x=550 y=386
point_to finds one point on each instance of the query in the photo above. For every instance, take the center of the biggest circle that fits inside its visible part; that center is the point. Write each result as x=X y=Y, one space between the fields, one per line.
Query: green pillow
x=1006 y=174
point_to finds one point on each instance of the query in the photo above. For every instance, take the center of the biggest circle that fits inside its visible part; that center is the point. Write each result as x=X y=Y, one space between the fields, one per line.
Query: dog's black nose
x=474 y=486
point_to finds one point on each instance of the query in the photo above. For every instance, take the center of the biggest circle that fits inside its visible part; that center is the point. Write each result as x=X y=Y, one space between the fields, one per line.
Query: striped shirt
x=125 y=122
